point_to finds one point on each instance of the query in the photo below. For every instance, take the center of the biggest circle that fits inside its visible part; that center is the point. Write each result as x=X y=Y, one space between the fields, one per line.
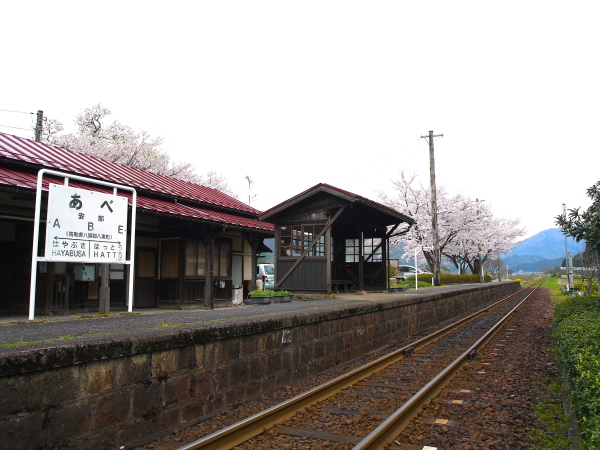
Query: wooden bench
x=345 y=283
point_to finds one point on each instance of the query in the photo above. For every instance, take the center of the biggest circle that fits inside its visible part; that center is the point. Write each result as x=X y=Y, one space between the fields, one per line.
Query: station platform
x=18 y=333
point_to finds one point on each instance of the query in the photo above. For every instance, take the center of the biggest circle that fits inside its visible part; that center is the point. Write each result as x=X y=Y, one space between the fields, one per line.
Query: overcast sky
x=293 y=94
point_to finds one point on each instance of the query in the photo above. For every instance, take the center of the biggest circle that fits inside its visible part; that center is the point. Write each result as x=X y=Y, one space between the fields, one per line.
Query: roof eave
x=295 y=200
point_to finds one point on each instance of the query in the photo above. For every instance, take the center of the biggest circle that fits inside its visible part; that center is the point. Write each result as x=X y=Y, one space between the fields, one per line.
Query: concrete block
x=176 y=389
x=111 y=409
x=71 y=421
x=97 y=377
x=14 y=395
x=135 y=369
x=146 y=401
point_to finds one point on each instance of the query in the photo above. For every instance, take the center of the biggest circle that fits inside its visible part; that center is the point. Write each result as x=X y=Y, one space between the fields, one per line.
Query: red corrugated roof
x=39 y=154
x=144 y=203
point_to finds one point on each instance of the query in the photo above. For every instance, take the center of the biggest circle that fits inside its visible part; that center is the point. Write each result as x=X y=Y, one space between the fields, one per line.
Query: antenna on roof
x=250 y=182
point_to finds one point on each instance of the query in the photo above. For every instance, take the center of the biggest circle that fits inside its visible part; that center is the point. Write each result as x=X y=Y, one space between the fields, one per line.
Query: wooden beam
x=361 y=262
x=313 y=243
x=328 y=258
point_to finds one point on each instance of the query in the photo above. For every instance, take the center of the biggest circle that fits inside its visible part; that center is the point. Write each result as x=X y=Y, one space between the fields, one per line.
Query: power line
x=19 y=112
x=17 y=128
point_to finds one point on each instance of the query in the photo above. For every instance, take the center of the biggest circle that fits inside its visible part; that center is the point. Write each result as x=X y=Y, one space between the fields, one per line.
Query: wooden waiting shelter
x=327 y=238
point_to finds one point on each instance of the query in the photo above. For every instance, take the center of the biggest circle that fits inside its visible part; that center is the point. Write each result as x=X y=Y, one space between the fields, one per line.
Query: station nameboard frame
x=85 y=226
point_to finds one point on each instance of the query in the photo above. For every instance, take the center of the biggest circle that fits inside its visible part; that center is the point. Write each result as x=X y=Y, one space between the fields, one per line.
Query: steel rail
x=387 y=431
x=252 y=426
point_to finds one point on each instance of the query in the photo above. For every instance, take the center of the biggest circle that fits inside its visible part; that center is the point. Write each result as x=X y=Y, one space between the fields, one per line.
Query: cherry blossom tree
x=121 y=144
x=468 y=232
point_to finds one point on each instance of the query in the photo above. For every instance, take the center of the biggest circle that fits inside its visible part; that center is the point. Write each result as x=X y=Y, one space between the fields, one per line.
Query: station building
x=195 y=246
x=327 y=239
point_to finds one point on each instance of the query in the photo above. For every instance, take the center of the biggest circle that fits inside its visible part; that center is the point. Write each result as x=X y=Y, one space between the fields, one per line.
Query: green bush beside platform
x=577 y=341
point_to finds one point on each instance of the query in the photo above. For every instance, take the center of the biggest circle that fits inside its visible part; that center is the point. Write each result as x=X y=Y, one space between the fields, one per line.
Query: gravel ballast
x=508 y=377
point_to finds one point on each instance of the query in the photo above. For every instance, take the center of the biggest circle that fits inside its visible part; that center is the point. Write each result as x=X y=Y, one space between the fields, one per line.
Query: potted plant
x=261 y=297
x=282 y=296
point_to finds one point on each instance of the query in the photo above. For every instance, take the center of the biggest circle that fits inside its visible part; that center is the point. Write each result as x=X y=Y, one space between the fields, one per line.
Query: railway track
x=368 y=407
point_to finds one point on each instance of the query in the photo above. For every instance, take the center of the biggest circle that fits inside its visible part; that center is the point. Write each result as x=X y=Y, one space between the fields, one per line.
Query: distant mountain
x=547 y=248
x=548 y=244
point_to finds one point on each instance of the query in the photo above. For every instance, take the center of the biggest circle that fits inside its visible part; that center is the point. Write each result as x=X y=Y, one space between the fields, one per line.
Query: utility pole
x=434 y=221
x=38 y=125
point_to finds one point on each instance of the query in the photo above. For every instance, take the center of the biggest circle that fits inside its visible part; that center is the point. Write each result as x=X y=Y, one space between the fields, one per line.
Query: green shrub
x=410 y=283
x=449 y=279
x=257 y=293
x=574 y=306
x=577 y=341
x=268 y=293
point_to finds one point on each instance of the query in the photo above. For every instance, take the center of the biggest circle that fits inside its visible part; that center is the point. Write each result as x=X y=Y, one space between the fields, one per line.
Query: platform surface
x=17 y=333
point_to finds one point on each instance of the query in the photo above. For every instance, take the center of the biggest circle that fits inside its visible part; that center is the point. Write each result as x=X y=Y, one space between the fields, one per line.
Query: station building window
x=371 y=252
x=222 y=259
x=195 y=258
x=372 y=249
x=295 y=239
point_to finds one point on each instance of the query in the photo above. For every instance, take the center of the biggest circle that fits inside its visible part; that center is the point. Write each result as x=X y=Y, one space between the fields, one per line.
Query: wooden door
x=145 y=290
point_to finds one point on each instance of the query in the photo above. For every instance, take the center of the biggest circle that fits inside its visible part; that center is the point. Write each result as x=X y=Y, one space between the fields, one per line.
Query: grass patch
x=552 y=433
x=168 y=325
x=58 y=339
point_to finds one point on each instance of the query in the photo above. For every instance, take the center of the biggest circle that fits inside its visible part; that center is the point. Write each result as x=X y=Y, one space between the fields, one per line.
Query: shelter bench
x=345 y=283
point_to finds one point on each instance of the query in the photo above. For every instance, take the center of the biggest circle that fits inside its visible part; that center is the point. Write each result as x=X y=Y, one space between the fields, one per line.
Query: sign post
x=83 y=226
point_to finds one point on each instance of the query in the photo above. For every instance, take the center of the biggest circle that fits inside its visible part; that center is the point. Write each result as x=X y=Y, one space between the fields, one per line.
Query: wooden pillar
x=181 y=271
x=104 y=291
x=276 y=252
x=384 y=259
x=255 y=242
x=328 y=258
x=361 y=262
x=49 y=285
x=208 y=288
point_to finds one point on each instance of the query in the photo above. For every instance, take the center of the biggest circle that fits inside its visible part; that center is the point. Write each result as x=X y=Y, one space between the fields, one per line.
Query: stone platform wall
x=116 y=389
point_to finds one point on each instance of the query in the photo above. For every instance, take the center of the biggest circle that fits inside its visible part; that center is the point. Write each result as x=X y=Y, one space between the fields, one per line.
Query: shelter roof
x=337 y=192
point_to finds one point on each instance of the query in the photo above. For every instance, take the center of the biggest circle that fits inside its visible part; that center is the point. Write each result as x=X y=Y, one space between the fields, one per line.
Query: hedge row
x=450 y=279
x=577 y=341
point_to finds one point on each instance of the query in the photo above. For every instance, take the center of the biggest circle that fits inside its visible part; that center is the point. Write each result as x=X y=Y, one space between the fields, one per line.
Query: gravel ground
x=504 y=383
